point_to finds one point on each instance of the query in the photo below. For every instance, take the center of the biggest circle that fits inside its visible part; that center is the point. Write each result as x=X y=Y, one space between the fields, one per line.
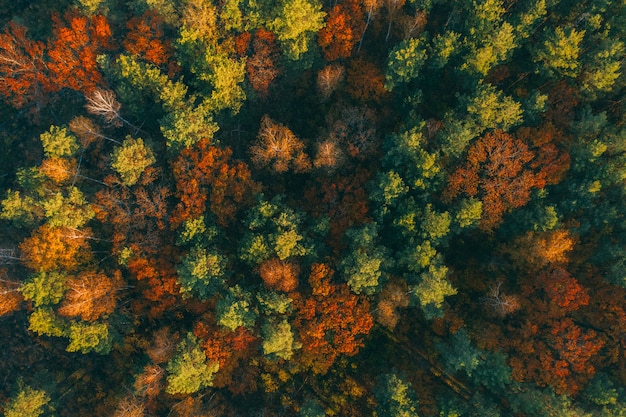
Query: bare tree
x=103 y=103
x=502 y=304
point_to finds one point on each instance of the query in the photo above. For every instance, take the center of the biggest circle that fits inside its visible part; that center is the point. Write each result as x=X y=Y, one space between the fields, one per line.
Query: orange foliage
x=535 y=250
x=344 y=25
x=73 y=50
x=242 y=43
x=206 y=172
x=160 y=283
x=10 y=297
x=150 y=382
x=280 y=275
x=261 y=66
x=23 y=70
x=366 y=82
x=279 y=148
x=564 y=290
x=91 y=295
x=55 y=248
x=496 y=171
x=145 y=39
x=58 y=170
x=330 y=321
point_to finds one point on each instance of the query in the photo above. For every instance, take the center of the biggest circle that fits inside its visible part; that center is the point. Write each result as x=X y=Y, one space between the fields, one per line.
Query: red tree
x=497 y=170
x=330 y=321
x=23 y=68
x=206 y=172
x=344 y=25
x=262 y=65
x=75 y=44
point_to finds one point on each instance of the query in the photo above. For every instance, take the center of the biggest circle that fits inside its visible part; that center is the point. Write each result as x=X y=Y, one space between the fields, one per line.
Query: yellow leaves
x=131 y=159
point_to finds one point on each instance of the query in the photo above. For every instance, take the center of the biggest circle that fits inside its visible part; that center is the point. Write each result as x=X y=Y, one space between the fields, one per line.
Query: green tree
x=131 y=159
x=202 y=272
x=405 y=61
x=560 y=51
x=45 y=288
x=89 y=337
x=189 y=371
x=236 y=310
x=58 y=142
x=28 y=402
x=494 y=110
x=363 y=266
x=296 y=23
x=278 y=339
x=395 y=397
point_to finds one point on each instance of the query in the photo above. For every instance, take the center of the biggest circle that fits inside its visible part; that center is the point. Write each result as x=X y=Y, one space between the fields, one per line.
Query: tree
x=493 y=110
x=262 y=65
x=202 y=272
x=362 y=267
x=560 y=51
x=55 y=248
x=340 y=34
x=45 y=288
x=236 y=310
x=188 y=371
x=73 y=49
x=395 y=397
x=278 y=339
x=145 y=39
x=23 y=67
x=498 y=173
x=328 y=79
x=331 y=322
x=59 y=143
x=10 y=298
x=131 y=159
x=280 y=275
x=28 y=402
x=206 y=172
x=404 y=63
x=278 y=148
x=91 y=295
x=89 y=337
x=104 y=104
x=295 y=24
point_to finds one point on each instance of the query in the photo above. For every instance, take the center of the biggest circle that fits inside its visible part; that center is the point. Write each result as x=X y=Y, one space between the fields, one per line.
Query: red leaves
x=330 y=321
x=344 y=25
x=146 y=40
x=206 y=172
x=564 y=290
x=23 y=69
x=73 y=49
x=496 y=171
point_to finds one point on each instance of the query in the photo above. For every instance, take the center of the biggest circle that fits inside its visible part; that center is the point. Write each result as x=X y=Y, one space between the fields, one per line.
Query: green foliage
x=468 y=212
x=405 y=62
x=274 y=229
x=90 y=337
x=362 y=267
x=311 y=408
x=58 y=142
x=435 y=226
x=202 y=272
x=295 y=24
x=560 y=51
x=45 y=288
x=274 y=303
x=459 y=354
x=131 y=159
x=188 y=371
x=43 y=321
x=395 y=397
x=433 y=286
x=278 y=339
x=494 y=110
x=72 y=211
x=444 y=47
x=197 y=231
x=236 y=310
x=28 y=402
x=18 y=208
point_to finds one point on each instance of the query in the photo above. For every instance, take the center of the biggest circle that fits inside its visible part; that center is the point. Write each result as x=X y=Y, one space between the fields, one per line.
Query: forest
x=308 y=208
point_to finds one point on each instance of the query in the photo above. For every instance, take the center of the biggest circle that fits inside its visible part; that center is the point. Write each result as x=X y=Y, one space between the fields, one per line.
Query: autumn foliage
x=330 y=321
x=344 y=26
x=91 y=295
x=262 y=65
x=497 y=171
x=280 y=275
x=278 y=148
x=205 y=173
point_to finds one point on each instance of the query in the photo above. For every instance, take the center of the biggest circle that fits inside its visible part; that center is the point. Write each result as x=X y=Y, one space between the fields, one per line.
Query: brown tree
x=91 y=295
x=261 y=66
x=279 y=149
